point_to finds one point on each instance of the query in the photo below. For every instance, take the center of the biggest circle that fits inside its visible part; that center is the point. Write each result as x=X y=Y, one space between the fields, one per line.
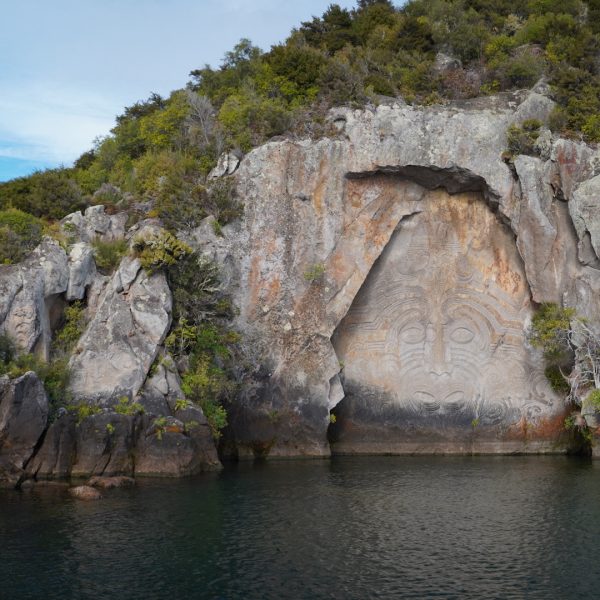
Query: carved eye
x=455 y=400
x=413 y=334
x=428 y=402
x=462 y=335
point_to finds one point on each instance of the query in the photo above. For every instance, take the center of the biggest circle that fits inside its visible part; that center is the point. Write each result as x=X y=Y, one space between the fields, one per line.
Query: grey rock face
x=585 y=212
x=226 y=165
x=183 y=446
x=121 y=342
x=435 y=339
x=23 y=419
x=319 y=214
x=82 y=270
x=95 y=223
x=28 y=294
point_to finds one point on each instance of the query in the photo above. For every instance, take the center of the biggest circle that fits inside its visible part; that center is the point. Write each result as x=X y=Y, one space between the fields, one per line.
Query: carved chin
x=434 y=394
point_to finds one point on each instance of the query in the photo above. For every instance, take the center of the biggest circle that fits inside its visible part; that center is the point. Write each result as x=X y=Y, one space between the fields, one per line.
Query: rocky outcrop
x=23 y=419
x=82 y=271
x=115 y=353
x=319 y=217
x=383 y=281
x=29 y=293
x=94 y=223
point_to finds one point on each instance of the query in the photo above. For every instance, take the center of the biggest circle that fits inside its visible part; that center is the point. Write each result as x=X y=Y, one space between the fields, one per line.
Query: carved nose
x=438 y=359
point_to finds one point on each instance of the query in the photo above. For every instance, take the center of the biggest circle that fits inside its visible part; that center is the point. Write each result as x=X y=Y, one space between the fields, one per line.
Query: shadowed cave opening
x=432 y=350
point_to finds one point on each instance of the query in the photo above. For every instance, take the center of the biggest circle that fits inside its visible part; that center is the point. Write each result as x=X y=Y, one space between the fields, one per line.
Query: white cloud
x=45 y=122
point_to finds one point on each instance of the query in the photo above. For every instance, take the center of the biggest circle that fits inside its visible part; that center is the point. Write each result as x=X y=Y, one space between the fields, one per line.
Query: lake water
x=389 y=527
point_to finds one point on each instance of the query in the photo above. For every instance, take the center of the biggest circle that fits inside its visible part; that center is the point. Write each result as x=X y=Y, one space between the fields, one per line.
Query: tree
x=571 y=347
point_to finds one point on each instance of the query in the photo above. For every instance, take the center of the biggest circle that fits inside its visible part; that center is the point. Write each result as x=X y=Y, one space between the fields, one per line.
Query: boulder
x=93 y=224
x=23 y=419
x=29 y=292
x=82 y=270
x=85 y=492
x=584 y=208
x=179 y=446
x=57 y=453
x=114 y=354
x=226 y=165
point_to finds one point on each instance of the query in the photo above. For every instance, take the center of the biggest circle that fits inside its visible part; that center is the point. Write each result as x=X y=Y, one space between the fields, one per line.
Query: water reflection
x=350 y=528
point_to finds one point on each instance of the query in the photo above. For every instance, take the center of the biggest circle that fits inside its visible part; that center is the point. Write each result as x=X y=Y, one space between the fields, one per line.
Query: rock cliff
x=409 y=242
x=384 y=279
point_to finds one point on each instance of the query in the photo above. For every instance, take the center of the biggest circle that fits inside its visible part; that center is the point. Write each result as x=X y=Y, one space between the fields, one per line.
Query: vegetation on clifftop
x=427 y=51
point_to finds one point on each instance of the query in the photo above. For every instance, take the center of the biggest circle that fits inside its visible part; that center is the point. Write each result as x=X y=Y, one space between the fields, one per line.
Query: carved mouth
x=431 y=402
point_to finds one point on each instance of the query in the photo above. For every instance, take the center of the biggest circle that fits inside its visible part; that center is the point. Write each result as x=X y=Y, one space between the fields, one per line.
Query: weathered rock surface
x=226 y=165
x=28 y=294
x=585 y=212
x=433 y=347
x=114 y=354
x=85 y=492
x=180 y=446
x=23 y=419
x=319 y=215
x=82 y=270
x=94 y=223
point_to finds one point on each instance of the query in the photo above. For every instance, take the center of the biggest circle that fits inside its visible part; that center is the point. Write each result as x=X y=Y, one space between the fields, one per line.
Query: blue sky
x=68 y=67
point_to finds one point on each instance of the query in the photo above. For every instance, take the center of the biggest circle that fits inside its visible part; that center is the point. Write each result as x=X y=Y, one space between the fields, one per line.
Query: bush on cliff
x=20 y=233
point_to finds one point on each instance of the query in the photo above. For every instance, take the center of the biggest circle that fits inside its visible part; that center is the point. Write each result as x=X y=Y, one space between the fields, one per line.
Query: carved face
x=439 y=322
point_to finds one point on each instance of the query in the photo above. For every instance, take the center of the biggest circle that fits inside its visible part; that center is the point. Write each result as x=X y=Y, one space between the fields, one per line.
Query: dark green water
x=350 y=528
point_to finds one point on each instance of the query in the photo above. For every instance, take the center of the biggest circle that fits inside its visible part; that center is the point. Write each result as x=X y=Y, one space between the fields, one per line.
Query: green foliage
x=557 y=380
x=159 y=250
x=71 y=330
x=128 y=407
x=83 y=411
x=550 y=327
x=593 y=399
x=20 y=233
x=160 y=426
x=51 y=194
x=569 y=423
x=206 y=385
x=314 y=272
x=551 y=332
x=521 y=139
x=182 y=404
x=108 y=253
x=54 y=375
x=7 y=350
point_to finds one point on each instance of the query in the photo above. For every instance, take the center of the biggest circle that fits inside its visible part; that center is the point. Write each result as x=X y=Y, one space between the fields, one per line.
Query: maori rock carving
x=436 y=336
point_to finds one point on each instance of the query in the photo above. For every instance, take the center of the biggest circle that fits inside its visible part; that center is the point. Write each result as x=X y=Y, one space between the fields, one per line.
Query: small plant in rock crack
x=314 y=272
x=182 y=404
x=128 y=407
x=160 y=426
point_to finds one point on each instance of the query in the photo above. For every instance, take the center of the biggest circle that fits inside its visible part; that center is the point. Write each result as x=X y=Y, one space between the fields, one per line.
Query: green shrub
x=556 y=380
x=51 y=194
x=83 y=411
x=593 y=399
x=521 y=139
x=108 y=253
x=7 y=350
x=20 y=233
x=55 y=375
x=73 y=326
x=160 y=250
x=550 y=329
x=128 y=407
x=206 y=385
x=314 y=272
